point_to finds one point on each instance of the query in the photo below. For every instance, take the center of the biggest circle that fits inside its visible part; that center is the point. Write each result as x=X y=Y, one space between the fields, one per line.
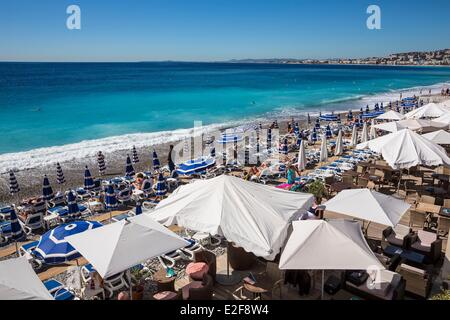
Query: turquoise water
x=54 y=104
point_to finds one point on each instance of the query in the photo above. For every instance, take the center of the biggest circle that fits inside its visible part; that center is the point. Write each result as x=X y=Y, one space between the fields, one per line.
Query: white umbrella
x=405 y=149
x=323 y=149
x=339 y=144
x=365 y=133
x=322 y=245
x=373 y=131
x=431 y=110
x=18 y=281
x=368 y=205
x=390 y=115
x=253 y=216
x=119 y=246
x=439 y=137
x=421 y=124
x=445 y=119
x=354 y=141
x=392 y=126
x=301 y=162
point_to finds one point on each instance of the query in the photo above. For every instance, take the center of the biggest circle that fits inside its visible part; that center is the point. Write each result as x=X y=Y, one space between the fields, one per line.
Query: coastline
x=115 y=161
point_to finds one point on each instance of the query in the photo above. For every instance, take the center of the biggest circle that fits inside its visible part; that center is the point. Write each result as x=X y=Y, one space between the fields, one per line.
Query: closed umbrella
x=323 y=149
x=47 y=190
x=301 y=162
x=269 y=141
x=284 y=149
x=296 y=129
x=156 y=163
x=212 y=151
x=88 y=181
x=138 y=209
x=373 y=131
x=314 y=135
x=317 y=125
x=129 y=170
x=135 y=155
x=354 y=140
x=161 y=188
x=60 y=179
x=110 y=198
x=365 y=133
x=72 y=206
x=17 y=233
x=339 y=150
x=328 y=132
x=101 y=163
x=13 y=185
x=350 y=115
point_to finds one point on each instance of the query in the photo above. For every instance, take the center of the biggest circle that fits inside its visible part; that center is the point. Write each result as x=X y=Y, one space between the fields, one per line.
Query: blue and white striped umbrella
x=161 y=188
x=284 y=149
x=296 y=129
x=59 y=174
x=16 y=229
x=47 y=190
x=212 y=151
x=299 y=141
x=129 y=170
x=367 y=109
x=135 y=155
x=88 y=181
x=72 y=206
x=246 y=155
x=317 y=126
x=328 y=132
x=314 y=135
x=110 y=198
x=339 y=119
x=350 y=115
x=138 y=209
x=309 y=119
x=156 y=163
x=13 y=185
x=224 y=153
x=53 y=247
x=101 y=163
x=382 y=107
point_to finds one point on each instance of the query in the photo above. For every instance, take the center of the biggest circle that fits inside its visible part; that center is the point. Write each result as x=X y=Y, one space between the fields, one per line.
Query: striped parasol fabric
x=161 y=188
x=16 y=229
x=299 y=141
x=135 y=155
x=284 y=149
x=72 y=206
x=138 y=209
x=110 y=198
x=60 y=179
x=129 y=170
x=350 y=115
x=13 y=184
x=328 y=132
x=155 y=160
x=247 y=155
x=296 y=129
x=101 y=163
x=224 y=152
x=269 y=141
x=88 y=181
x=317 y=125
x=47 y=191
x=309 y=119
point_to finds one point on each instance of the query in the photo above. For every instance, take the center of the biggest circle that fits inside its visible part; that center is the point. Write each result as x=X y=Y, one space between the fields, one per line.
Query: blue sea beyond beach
x=55 y=104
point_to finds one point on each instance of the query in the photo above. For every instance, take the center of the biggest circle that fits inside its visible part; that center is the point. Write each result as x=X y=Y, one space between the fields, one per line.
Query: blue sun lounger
x=58 y=291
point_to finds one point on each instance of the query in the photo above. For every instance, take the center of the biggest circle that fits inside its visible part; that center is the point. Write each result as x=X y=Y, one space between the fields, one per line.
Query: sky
x=215 y=30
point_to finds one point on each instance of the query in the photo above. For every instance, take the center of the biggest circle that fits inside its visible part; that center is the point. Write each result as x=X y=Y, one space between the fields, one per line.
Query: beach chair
x=190 y=250
x=172 y=180
x=124 y=196
x=59 y=291
x=82 y=194
x=5 y=213
x=5 y=230
x=111 y=284
x=147 y=189
x=58 y=200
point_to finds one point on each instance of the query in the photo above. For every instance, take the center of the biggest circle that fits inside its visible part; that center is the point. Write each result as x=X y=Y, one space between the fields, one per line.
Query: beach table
x=164 y=283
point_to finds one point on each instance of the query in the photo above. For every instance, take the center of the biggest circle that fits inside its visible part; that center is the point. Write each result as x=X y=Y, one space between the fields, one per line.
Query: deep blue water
x=48 y=104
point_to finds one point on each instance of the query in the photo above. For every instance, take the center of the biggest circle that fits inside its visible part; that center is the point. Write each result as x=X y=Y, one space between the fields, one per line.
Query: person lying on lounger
x=252 y=174
x=139 y=181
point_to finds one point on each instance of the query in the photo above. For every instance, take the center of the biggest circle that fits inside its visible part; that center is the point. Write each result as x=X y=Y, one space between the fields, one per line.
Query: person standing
x=169 y=159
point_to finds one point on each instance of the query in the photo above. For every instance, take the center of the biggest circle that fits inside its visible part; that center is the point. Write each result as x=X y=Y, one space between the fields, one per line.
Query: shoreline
x=115 y=162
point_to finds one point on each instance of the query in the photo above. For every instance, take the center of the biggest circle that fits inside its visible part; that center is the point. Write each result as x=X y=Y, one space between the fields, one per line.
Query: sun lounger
x=5 y=213
x=124 y=196
x=111 y=284
x=58 y=291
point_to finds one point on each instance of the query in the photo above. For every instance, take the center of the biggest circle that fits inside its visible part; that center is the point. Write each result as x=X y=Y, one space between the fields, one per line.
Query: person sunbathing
x=139 y=181
x=312 y=213
x=252 y=174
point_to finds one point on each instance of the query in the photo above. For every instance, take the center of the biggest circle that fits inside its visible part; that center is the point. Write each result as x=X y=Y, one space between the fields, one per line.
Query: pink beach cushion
x=193 y=285
x=426 y=238
x=284 y=186
x=165 y=295
x=196 y=270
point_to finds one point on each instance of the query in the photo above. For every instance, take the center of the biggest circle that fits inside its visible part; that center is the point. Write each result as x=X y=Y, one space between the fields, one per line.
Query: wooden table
x=164 y=283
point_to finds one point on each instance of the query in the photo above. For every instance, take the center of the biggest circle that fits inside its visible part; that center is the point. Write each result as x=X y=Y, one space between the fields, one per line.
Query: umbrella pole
x=323 y=282
x=17 y=249
x=131 y=285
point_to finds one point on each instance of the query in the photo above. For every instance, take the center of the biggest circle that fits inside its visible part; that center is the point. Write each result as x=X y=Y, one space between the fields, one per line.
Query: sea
x=66 y=111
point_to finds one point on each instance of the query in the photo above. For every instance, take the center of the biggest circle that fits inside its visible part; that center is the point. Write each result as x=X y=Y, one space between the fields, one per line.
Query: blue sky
x=211 y=30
